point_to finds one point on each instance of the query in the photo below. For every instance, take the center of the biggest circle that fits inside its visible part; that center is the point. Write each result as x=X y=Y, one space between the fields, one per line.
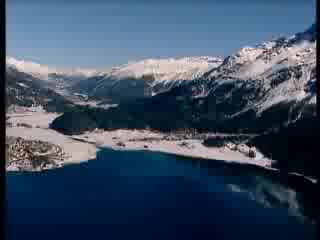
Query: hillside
x=254 y=90
x=120 y=83
x=25 y=90
x=269 y=90
x=145 y=78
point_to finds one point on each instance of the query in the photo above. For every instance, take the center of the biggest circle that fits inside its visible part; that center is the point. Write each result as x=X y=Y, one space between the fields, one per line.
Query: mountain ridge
x=146 y=77
x=253 y=90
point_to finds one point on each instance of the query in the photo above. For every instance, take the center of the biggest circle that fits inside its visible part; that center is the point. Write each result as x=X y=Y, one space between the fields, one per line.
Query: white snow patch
x=198 y=150
x=76 y=151
x=42 y=72
x=35 y=119
x=23 y=85
x=166 y=69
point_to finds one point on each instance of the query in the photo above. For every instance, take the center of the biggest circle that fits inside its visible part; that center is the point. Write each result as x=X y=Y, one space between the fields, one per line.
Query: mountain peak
x=312 y=29
x=307 y=35
x=166 y=68
x=28 y=66
x=43 y=71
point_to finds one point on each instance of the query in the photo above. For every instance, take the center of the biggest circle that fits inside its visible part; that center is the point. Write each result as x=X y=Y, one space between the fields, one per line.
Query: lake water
x=148 y=195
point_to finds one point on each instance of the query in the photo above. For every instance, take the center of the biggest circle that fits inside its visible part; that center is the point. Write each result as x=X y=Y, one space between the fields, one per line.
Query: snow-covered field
x=95 y=104
x=35 y=119
x=79 y=148
x=80 y=151
x=75 y=151
x=192 y=148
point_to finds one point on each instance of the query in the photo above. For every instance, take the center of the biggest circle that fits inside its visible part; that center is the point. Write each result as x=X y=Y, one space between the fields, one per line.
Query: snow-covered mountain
x=26 y=90
x=135 y=79
x=256 y=89
x=44 y=72
x=170 y=69
x=55 y=78
x=271 y=73
x=147 y=77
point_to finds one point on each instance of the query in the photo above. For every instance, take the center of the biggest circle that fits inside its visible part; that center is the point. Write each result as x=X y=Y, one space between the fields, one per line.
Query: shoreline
x=38 y=129
x=82 y=148
x=221 y=161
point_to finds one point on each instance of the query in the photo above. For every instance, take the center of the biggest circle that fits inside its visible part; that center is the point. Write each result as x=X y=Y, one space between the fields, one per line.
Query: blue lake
x=146 y=195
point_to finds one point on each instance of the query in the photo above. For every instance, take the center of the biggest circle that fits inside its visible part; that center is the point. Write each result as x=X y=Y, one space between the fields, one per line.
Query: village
x=32 y=155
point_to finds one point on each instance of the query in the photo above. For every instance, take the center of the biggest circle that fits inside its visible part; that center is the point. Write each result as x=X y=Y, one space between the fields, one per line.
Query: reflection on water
x=269 y=188
x=145 y=195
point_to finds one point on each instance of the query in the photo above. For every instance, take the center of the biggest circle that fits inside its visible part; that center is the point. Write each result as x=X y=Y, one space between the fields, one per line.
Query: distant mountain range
x=130 y=81
x=146 y=78
x=26 y=90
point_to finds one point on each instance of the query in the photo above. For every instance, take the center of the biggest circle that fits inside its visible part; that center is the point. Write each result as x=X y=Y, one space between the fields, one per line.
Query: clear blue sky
x=96 y=33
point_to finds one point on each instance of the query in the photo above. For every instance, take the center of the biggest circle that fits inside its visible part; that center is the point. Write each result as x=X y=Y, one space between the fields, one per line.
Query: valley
x=35 y=126
x=228 y=148
x=182 y=106
x=161 y=120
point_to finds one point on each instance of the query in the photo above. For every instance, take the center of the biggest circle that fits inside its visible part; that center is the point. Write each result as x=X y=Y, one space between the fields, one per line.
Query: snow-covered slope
x=34 y=69
x=271 y=83
x=147 y=77
x=281 y=52
x=170 y=69
x=26 y=90
x=255 y=90
x=52 y=77
x=261 y=77
x=44 y=72
x=135 y=79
